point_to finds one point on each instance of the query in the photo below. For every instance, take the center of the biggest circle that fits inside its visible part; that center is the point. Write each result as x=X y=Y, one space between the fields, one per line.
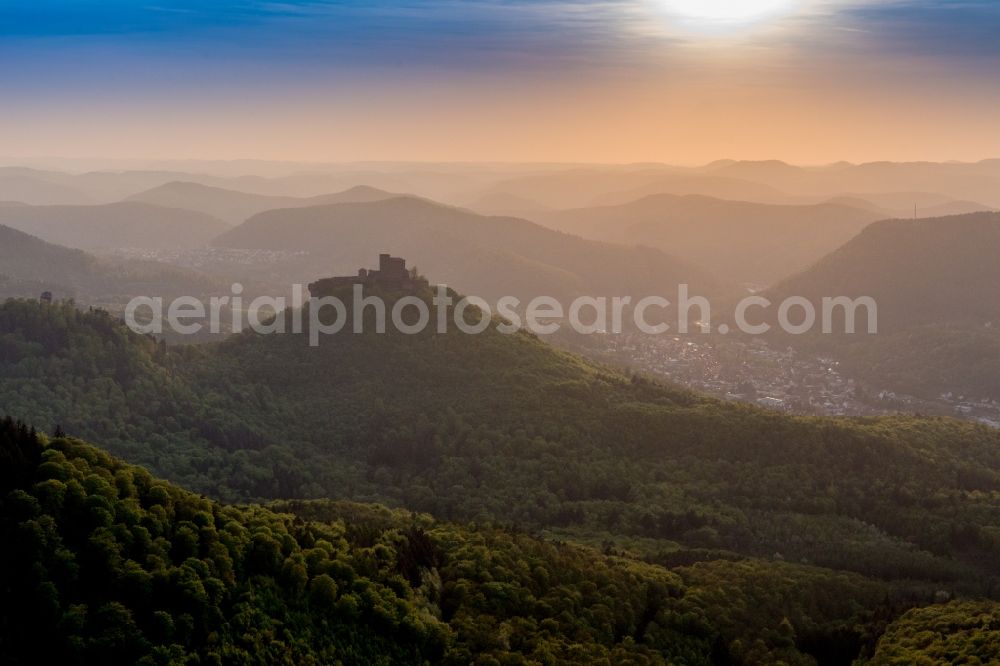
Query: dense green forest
x=746 y=508
x=961 y=358
x=960 y=632
x=104 y=563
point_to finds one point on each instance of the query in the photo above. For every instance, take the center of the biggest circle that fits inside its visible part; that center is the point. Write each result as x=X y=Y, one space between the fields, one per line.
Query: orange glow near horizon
x=811 y=82
x=685 y=123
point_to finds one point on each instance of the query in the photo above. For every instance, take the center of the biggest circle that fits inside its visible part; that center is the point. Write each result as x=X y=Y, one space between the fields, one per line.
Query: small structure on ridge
x=391 y=275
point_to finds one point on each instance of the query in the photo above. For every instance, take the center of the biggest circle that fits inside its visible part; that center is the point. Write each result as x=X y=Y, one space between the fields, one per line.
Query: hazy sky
x=679 y=81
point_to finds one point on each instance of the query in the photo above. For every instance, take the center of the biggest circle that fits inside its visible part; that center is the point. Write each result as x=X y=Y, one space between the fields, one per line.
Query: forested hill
x=31 y=266
x=495 y=427
x=104 y=563
x=937 y=285
x=920 y=272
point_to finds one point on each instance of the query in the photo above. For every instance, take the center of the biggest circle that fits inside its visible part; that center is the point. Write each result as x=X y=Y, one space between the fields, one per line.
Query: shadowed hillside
x=29 y=266
x=923 y=271
x=32 y=187
x=937 y=286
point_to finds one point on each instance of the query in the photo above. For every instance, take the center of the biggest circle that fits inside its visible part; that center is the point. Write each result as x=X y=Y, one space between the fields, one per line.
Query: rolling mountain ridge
x=489 y=256
x=235 y=207
x=739 y=241
x=116 y=225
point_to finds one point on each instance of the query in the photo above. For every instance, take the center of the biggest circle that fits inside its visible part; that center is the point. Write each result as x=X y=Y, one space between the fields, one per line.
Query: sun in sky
x=725 y=11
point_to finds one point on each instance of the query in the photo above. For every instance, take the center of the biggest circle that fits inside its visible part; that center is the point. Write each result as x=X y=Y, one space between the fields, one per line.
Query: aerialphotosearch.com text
x=543 y=315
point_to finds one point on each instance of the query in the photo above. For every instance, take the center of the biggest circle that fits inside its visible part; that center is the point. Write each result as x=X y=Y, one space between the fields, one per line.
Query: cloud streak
x=489 y=34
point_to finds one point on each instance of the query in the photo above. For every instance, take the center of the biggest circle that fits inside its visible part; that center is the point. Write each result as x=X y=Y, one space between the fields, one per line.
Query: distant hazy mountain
x=29 y=266
x=978 y=182
x=763 y=182
x=126 y=224
x=861 y=204
x=504 y=203
x=736 y=240
x=609 y=186
x=545 y=185
x=908 y=205
x=709 y=186
x=485 y=256
x=951 y=208
x=26 y=186
x=235 y=207
x=453 y=184
x=937 y=286
x=51 y=187
x=44 y=186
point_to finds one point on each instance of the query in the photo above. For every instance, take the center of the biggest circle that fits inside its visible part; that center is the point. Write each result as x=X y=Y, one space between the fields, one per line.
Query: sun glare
x=725 y=11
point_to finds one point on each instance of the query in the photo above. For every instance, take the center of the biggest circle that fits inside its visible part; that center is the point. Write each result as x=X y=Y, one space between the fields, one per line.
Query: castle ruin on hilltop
x=391 y=275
